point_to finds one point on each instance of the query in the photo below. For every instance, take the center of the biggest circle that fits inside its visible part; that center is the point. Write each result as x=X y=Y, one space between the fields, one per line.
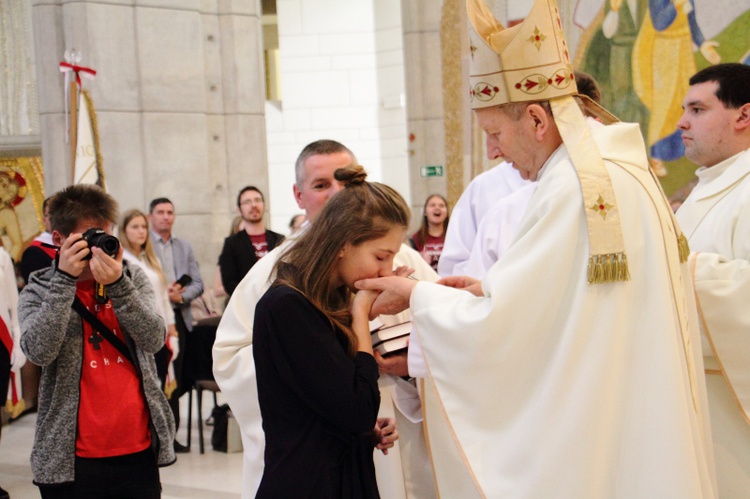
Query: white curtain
x=18 y=99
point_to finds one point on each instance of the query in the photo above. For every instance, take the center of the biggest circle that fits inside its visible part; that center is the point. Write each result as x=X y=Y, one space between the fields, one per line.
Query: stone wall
x=179 y=97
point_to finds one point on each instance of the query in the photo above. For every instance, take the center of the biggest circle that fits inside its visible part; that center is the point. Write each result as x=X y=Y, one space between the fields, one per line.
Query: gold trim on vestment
x=422 y=391
x=449 y=422
x=671 y=227
x=682 y=242
x=607 y=259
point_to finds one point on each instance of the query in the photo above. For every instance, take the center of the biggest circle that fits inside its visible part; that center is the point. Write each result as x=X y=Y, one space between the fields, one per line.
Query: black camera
x=97 y=237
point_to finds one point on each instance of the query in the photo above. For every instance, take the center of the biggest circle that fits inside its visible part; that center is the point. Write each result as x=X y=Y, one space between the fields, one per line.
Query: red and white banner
x=87 y=167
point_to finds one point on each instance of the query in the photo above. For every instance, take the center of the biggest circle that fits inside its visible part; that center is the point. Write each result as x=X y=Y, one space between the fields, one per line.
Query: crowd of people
x=569 y=335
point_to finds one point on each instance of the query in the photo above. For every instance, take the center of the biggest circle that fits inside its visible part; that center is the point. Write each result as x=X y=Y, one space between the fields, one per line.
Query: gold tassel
x=596 y=270
x=599 y=270
x=608 y=268
x=682 y=244
x=624 y=274
x=15 y=410
x=169 y=387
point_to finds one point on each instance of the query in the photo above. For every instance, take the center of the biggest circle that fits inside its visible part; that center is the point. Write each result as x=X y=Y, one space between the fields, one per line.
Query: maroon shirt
x=433 y=247
x=260 y=245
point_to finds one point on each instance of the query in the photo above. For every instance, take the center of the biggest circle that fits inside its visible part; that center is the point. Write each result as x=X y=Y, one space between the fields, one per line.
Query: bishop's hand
x=394 y=294
x=473 y=286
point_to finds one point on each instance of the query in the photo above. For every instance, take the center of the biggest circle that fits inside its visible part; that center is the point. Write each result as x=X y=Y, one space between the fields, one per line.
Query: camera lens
x=97 y=237
x=110 y=245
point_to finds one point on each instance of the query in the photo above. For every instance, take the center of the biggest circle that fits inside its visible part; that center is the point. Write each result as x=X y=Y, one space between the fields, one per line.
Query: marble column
x=424 y=97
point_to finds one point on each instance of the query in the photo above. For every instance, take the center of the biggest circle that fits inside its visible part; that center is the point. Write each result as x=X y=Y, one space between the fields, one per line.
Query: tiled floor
x=211 y=475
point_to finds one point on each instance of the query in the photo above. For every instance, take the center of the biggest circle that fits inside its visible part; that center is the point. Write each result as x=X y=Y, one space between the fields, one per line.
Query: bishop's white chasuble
x=548 y=386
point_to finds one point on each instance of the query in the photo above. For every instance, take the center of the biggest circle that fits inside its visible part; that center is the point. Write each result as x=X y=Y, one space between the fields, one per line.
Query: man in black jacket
x=250 y=244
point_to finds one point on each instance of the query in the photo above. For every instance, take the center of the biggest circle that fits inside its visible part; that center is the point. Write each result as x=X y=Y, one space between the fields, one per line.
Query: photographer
x=103 y=422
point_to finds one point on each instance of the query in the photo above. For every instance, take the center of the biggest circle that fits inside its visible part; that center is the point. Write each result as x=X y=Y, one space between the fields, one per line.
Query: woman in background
x=430 y=238
x=316 y=375
x=135 y=240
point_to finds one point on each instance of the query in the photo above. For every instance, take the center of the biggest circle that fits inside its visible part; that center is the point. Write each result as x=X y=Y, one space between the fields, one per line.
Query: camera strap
x=108 y=335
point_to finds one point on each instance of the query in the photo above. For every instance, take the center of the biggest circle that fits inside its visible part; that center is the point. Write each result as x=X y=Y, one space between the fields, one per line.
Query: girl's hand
x=360 y=308
x=385 y=434
x=393 y=294
x=362 y=303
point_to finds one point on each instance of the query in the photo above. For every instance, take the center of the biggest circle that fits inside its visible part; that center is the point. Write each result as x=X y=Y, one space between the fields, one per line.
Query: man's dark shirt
x=238 y=257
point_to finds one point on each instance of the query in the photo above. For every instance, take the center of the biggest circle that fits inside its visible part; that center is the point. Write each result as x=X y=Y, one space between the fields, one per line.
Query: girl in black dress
x=317 y=378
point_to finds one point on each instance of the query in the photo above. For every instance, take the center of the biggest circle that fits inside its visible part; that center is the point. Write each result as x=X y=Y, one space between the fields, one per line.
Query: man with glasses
x=242 y=250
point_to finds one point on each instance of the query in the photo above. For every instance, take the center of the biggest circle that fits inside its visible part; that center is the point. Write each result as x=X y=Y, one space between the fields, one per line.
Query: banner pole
x=73 y=127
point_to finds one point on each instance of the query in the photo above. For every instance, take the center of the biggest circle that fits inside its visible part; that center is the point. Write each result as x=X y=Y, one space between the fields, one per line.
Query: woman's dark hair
x=424 y=230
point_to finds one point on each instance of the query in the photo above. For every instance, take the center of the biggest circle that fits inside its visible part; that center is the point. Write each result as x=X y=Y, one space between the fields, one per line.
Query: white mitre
x=530 y=62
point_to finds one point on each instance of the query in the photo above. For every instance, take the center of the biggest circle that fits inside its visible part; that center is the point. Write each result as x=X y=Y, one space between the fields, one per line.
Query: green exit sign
x=431 y=171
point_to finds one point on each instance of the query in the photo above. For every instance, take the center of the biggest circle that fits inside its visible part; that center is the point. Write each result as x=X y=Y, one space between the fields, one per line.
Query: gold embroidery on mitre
x=484 y=91
x=538 y=83
x=537 y=38
x=504 y=56
x=601 y=207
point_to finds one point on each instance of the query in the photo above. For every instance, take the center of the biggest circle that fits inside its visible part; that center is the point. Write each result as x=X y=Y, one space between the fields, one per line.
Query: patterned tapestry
x=642 y=52
x=21 y=198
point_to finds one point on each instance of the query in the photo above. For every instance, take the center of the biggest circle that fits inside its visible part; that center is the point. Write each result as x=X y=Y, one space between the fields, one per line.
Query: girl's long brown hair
x=360 y=212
